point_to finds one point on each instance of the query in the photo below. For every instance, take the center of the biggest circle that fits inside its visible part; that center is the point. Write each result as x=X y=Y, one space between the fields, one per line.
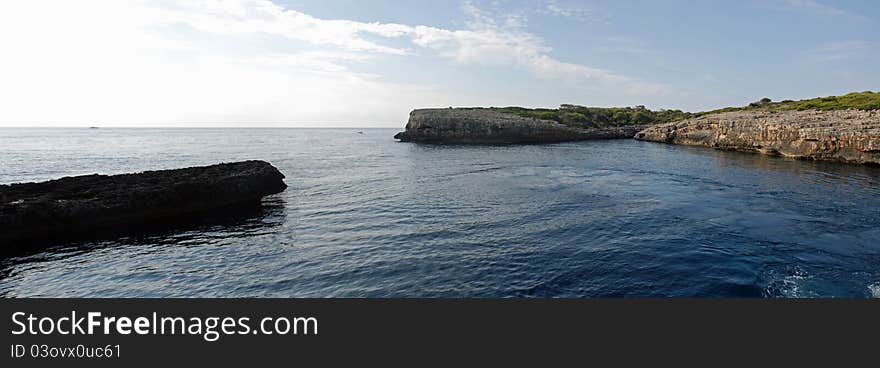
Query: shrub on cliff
x=582 y=116
x=573 y=118
x=857 y=100
x=762 y=102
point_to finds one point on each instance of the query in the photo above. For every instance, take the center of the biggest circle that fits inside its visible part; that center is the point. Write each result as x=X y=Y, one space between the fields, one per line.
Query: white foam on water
x=874 y=290
x=793 y=282
x=792 y=286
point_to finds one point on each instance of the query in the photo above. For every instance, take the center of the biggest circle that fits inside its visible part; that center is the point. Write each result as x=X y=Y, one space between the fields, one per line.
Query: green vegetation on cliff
x=857 y=100
x=598 y=117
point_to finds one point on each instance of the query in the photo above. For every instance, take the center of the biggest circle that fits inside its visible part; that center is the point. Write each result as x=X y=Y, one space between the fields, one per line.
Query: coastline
x=846 y=136
x=844 y=129
x=489 y=126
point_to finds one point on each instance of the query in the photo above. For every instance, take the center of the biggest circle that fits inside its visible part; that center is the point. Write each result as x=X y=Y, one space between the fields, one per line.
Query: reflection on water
x=818 y=172
x=366 y=216
x=205 y=229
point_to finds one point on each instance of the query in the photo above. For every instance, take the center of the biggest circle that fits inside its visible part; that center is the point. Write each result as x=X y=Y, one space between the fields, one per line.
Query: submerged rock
x=486 y=126
x=851 y=136
x=82 y=205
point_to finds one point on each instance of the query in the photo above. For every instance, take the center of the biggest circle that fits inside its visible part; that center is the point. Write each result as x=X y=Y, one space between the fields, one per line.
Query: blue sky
x=368 y=63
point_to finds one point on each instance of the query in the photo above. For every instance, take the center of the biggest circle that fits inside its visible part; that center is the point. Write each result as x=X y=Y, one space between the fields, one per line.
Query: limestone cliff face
x=844 y=135
x=486 y=126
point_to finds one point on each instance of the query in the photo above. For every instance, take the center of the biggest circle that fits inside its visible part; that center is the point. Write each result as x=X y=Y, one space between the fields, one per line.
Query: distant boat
x=93 y=127
x=360 y=132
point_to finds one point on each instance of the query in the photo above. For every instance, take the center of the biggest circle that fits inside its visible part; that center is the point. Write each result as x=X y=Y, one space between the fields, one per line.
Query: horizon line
x=187 y=127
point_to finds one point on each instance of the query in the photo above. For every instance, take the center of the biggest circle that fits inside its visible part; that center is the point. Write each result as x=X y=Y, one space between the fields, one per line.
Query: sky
x=362 y=63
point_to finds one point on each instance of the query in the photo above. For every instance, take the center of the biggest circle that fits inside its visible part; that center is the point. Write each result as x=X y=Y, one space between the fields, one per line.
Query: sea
x=367 y=216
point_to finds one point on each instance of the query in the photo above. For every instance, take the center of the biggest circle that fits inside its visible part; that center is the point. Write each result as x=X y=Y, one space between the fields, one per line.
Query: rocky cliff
x=486 y=126
x=837 y=135
x=82 y=205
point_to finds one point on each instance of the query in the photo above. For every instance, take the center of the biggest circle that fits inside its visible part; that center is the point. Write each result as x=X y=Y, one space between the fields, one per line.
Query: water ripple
x=365 y=216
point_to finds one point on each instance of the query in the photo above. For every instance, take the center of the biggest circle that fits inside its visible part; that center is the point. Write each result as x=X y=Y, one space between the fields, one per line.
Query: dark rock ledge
x=486 y=126
x=81 y=206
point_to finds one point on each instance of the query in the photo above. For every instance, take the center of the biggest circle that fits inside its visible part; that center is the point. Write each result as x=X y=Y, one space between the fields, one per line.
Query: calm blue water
x=367 y=216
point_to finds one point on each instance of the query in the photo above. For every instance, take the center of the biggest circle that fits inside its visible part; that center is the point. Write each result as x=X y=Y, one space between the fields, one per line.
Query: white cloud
x=821 y=8
x=308 y=61
x=138 y=61
x=491 y=43
x=237 y=17
x=567 y=10
x=815 y=5
x=841 y=50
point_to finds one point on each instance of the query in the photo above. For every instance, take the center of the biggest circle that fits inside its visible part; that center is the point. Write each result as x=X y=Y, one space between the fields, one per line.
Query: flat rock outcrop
x=851 y=136
x=82 y=205
x=486 y=126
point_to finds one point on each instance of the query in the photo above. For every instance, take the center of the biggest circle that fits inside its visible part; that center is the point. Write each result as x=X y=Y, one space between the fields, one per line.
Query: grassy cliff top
x=598 y=117
x=582 y=116
x=857 y=100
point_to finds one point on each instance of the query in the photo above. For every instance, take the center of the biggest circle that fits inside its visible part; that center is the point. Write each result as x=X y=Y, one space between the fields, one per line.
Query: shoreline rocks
x=80 y=206
x=486 y=126
x=850 y=136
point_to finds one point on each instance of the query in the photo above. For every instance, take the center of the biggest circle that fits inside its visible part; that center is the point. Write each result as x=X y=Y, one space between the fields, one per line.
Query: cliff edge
x=489 y=126
x=851 y=135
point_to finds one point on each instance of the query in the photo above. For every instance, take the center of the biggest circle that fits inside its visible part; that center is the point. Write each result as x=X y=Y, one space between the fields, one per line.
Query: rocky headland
x=835 y=128
x=847 y=135
x=82 y=206
x=491 y=126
